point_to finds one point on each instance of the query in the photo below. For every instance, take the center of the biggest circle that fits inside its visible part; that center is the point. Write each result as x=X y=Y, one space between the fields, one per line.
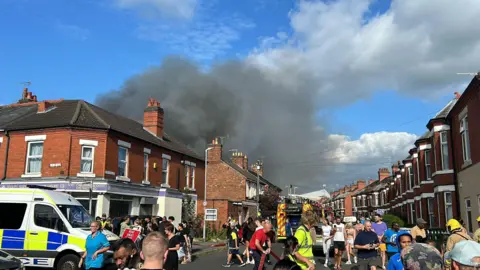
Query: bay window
x=448 y=206
x=165 y=170
x=465 y=138
x=428 y=165
x=444 y=150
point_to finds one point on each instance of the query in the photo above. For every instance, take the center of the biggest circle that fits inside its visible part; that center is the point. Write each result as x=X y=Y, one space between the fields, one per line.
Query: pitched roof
x=443 y=113
x=250 y=175
x=78 y=113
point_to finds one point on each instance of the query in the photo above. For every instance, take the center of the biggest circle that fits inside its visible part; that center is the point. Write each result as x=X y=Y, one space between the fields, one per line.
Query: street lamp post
x=258 y=188
x=205 y=197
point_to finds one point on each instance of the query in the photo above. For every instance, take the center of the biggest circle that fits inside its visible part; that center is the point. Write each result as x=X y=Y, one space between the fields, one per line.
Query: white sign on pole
x=204 y=203
x=211 y=214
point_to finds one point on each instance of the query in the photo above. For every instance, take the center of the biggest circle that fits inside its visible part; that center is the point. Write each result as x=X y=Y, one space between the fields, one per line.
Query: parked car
x=9 y=262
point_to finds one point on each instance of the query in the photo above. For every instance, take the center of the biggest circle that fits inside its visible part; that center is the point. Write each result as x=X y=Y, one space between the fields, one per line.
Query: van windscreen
x=76 y=215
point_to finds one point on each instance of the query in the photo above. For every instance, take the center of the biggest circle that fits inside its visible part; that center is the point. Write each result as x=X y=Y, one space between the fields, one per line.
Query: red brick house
x=231 y=185
x=464 y=119
x=71 y=145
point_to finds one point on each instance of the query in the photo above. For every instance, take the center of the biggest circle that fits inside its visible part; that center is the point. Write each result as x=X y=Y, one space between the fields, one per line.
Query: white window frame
x=468 y=209
x=418 y=170
x=165 y=171
x=146 y=162
x=450 y=204
x=411 y=177
x=413 y=212
x=126 y=161
x=465 y=136
x=434 y=145
x=92 y=159
x=193 y=177
x=428 y=165
x=27 y=173
x=431 y=211
x=420 y=208
x=444 y=143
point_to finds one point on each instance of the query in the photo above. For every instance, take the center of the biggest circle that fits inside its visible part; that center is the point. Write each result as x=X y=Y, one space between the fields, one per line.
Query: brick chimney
x=44 y=106
x=457 y=95
x=371 y=181
x=255 y=170
x=153 y=118
x=383 y=173
x=240 y=159
x=215 y=152
x=27 y=97
x=353 y=187
x=395 y=169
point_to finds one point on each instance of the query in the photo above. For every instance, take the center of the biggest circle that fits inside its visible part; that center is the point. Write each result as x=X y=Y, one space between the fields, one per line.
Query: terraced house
x=438 y=179
x=74 y=146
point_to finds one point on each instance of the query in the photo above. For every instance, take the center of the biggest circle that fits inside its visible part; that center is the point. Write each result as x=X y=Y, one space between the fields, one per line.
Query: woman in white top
x=327 y=239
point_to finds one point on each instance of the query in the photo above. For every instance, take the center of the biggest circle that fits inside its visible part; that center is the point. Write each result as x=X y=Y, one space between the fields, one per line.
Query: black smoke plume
x=255 y=114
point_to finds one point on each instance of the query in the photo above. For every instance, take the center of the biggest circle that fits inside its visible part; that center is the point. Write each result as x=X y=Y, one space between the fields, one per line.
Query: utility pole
x=205 y=197
x=258 y=167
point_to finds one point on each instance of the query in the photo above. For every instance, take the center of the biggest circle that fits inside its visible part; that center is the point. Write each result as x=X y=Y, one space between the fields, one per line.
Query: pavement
x=214 y=259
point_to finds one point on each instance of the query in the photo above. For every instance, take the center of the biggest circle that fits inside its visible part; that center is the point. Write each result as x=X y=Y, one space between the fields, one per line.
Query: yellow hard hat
x=478 y=219
x=453 y=225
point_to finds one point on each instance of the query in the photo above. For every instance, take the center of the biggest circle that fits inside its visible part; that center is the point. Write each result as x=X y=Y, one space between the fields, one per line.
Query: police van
x=44 y=228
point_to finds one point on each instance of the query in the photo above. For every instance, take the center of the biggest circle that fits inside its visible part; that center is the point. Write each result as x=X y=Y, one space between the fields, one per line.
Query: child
x=233 y=246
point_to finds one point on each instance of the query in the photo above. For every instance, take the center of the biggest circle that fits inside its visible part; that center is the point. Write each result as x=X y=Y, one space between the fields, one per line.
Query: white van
x=44 y=228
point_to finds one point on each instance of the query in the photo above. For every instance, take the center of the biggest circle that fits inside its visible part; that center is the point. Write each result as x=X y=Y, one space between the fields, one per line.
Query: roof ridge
x=76 y=114
x=90 y=110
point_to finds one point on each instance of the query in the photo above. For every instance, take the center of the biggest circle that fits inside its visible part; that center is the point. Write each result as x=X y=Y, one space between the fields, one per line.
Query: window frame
x=83 y=158
x=468 y=209
x=411 y=177
x=428 y=165
x=443 y=150
x=22 y=204
x=431 y=211
x=29 y=157
x=465 y=138
x=193 y=177
x=413 y=212
x=146 y=162
x=448 y=205
x=54 y=211
x=165 y=171
x=126 y=161
x=420 y=208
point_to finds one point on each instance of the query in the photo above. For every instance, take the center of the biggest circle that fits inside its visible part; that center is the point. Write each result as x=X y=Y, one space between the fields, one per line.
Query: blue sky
x=79 y=49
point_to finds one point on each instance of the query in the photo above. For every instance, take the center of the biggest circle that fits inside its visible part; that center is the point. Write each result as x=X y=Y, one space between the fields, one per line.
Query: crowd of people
x=153 y=234
x=372 y=245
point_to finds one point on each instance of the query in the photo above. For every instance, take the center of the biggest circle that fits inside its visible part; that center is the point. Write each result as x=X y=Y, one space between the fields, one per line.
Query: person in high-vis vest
x=305 y=246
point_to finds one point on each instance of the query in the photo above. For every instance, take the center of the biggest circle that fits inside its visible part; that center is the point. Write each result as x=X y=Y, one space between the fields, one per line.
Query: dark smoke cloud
x=256 y=115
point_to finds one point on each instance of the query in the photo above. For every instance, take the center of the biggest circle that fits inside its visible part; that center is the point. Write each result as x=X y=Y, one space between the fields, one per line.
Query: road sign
x=211 y=214
x=204 y=203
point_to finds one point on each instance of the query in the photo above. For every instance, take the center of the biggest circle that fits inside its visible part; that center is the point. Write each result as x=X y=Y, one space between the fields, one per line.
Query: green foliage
x=188 y=208
x=389 y=219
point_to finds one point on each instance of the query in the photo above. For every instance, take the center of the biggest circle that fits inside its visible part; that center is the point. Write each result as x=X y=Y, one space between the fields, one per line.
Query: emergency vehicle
x=45 y=228
x=292 y=211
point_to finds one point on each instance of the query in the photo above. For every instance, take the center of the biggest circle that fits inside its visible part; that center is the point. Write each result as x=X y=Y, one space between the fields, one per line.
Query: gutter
x=7 y=135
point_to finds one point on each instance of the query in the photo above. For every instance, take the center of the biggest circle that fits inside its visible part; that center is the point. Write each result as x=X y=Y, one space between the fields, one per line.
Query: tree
x=269 y=200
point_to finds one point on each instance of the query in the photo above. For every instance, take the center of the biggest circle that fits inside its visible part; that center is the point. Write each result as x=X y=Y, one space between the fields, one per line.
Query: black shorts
x=340 y=245
x=233 y=251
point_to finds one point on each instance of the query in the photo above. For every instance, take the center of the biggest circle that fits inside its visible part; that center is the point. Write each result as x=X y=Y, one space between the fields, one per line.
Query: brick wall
x=224 y=182
x=3 y=147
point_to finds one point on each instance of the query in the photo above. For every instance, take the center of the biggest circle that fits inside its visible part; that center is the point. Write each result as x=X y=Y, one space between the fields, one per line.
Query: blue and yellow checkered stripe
x=16 y=239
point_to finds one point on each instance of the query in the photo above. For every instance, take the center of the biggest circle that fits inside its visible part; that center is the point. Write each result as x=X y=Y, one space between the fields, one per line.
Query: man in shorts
x=233 y=249
x=338 y=241
x=380 y=227
x=366 y=243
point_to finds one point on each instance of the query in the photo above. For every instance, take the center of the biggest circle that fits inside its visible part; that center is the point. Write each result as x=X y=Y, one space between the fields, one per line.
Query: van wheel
x=68 y=262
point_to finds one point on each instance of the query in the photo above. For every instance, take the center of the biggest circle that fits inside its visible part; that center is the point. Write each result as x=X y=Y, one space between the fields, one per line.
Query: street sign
x=211 y=214
x=204 y=203
x=132 y=234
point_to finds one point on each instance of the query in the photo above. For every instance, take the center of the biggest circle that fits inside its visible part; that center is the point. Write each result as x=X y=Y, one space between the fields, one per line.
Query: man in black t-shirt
x=367 y=243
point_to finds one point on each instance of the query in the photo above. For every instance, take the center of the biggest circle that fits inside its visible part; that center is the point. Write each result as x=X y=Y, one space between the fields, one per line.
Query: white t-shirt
x=339 y=235
x=326 y=229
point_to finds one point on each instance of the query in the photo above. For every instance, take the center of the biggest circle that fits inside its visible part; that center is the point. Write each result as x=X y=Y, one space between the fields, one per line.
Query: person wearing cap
x=476 y=235
x=465 y=255
x=418 y=232
x=421 y=257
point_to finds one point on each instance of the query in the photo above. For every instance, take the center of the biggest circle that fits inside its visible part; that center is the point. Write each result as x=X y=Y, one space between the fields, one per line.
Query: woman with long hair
x=248 y=230
x=171 y=262
x=351 y=233
x=327 y=237
x=95 y=246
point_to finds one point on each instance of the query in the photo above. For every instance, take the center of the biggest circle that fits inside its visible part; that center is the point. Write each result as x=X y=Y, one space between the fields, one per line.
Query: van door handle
x=33 y=233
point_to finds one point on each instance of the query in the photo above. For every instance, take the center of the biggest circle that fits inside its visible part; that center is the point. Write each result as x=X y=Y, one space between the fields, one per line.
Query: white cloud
x=416 y=47
x=381 y=147
x=207 y=35
x=183 y=9
x=73 y=31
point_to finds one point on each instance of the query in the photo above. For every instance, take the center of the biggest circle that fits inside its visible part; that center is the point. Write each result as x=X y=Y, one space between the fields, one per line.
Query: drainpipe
x=7 y=135
x=455 y=178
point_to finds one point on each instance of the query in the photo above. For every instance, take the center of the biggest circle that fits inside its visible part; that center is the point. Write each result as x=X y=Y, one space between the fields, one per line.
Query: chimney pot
x=153 y=118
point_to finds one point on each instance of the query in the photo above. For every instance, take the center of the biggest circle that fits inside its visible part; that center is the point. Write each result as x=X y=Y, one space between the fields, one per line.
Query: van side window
x=45 y=216
x=11 y=215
